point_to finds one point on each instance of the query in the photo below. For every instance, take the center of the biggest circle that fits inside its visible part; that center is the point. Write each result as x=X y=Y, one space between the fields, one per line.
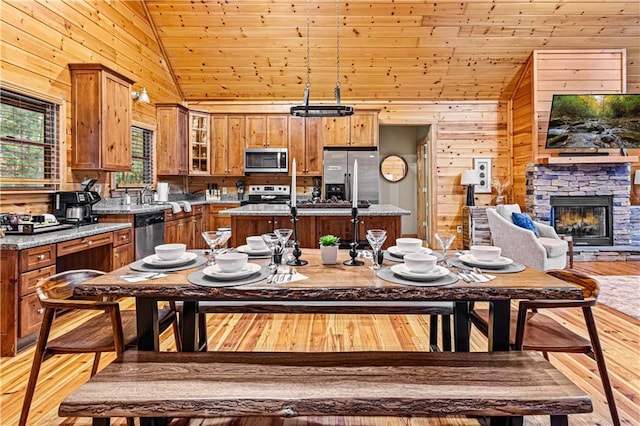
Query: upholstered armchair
x=544 y=251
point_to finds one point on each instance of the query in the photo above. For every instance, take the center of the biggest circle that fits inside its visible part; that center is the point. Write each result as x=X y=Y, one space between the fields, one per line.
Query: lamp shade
x=636 y=179
x=470 y=177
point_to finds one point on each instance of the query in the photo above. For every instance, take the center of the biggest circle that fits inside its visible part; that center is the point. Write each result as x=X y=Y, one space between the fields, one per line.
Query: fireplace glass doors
x=588 y=219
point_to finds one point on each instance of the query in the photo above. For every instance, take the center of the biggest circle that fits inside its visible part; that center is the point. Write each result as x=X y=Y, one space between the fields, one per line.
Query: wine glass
x=376 y=238
x=283 y=237
x=212 y=238
x=271 y=239
x=445 y=241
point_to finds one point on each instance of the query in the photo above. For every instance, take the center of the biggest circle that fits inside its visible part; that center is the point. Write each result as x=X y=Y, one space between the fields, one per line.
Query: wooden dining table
x=328 y=285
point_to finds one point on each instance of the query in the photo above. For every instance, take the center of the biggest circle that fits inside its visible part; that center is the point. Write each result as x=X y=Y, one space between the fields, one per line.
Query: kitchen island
x=257 y=219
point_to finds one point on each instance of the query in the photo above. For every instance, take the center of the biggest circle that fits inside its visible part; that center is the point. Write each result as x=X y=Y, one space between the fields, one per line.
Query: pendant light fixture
x=336 y=110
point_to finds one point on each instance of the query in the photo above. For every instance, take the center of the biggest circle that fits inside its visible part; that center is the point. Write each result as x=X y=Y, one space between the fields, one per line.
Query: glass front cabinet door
x=199 y=143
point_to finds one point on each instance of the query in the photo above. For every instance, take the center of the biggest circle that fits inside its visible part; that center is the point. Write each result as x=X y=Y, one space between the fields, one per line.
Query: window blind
x=29 y=146
x=142 y=159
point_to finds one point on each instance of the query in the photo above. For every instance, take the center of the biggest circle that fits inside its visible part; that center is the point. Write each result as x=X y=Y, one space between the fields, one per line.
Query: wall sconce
x=470 y=178
x=141 y=96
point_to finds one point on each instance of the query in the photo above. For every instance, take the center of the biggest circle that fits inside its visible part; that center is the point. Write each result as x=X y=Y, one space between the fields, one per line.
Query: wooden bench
x=404 y=384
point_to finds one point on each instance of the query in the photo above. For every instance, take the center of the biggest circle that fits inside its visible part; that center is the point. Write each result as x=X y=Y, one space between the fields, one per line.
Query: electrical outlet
x=225 y=190
x=459 y=229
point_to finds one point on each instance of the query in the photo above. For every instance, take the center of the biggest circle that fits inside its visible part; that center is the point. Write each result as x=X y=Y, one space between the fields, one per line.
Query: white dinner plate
x=402 y=270
x=186 y=257
x=500 y=262
x=395 y=251
x=251 y=252
x=214 y=271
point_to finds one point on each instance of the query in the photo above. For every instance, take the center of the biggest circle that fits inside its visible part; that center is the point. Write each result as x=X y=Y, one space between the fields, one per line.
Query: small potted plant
x=329 y=249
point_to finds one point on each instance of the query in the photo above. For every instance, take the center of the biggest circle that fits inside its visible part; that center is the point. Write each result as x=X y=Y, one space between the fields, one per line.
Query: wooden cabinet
x=123 y=249
x=199 y=227
x=305 y=145
x=179 y=228
x=199 y=143
x=172 y=138
x=475 y=226
x=101 y=118
x=360 y=129
x=216 y=220
x=266 y=131
x=246 y=226
x=227 y=135
x=342 y=227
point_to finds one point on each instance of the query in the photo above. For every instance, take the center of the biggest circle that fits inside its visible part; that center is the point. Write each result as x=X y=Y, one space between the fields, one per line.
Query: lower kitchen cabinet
x=20 y=270
x=199 y=224
x=341 y=227
x=246 y=226
x=216 y=220
x=178 y=228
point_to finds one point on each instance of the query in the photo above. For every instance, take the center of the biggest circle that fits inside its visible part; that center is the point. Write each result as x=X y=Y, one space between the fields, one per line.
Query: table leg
x=147 y=323
x=188 y=325
x=461 y=324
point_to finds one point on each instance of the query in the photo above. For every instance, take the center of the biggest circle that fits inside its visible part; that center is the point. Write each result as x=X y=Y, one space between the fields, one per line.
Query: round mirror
x=393 y=168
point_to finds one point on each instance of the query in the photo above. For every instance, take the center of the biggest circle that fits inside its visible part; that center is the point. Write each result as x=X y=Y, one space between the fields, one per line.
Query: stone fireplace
x=611 y=180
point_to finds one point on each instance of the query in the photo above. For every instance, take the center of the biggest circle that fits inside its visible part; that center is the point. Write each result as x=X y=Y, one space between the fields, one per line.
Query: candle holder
x=296 y=245
x=354 y=244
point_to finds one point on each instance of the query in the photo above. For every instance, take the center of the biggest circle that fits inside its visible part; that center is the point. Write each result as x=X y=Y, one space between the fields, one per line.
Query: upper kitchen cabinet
x=199 y=143
x=101 y=118
x=266 y=131
x=227 y=136
x=359 y=129
x=305 y=145
x=172 y=139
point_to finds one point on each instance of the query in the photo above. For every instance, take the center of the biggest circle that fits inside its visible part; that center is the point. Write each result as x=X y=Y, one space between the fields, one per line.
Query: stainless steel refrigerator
x=338 y=173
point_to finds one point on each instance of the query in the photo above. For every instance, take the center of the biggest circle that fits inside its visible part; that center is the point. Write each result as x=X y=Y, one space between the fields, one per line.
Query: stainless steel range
x=268 y=194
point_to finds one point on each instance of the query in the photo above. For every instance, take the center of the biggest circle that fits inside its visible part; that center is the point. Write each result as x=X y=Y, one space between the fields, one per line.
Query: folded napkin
x=175 y=207
x=135 y=277
x=186 y=206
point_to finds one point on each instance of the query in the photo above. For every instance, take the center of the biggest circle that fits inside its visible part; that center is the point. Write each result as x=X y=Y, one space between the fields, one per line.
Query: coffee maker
x=74 y=207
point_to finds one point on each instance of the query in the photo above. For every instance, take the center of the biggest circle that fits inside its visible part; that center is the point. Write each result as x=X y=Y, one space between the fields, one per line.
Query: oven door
x=265 y=160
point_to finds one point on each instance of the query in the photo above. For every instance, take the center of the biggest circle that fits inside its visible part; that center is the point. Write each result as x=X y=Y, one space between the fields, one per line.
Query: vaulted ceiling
x=389 y=50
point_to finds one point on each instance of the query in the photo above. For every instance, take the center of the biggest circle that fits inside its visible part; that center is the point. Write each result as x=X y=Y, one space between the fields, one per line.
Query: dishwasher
x=149 y=232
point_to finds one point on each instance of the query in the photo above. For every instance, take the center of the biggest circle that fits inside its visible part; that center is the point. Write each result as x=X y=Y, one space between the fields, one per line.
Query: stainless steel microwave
x=266 y=160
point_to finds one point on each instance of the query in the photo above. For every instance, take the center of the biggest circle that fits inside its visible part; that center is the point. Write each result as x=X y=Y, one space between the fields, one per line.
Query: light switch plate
x=483 y=168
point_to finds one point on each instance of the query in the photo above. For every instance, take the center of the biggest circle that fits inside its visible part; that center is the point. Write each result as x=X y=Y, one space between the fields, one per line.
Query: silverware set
x=471 y=275
x=281 y=277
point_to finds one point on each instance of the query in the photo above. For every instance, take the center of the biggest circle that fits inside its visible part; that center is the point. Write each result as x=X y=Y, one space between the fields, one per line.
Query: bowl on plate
x=486 y=253
x=408 y=245
x=420 y=263
x=170 y=251
x=232 y=262
x=256 y=243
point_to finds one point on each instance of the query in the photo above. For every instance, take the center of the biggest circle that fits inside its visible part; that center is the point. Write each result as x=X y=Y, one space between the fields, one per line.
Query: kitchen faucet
x=143 y=193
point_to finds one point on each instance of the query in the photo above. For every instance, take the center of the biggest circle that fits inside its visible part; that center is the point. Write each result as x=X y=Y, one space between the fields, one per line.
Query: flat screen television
x=592 y=122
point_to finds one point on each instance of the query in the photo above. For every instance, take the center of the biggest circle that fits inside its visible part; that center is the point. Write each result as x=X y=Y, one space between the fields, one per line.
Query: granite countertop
x=20 y=242
x=284 y=210
x=118 y=208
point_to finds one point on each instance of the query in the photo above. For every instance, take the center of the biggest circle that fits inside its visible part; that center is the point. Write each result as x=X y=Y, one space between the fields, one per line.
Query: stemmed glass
x=445 y=241
x=214 y=239
x=283 y=237
x=376 y=238
x=271 y=239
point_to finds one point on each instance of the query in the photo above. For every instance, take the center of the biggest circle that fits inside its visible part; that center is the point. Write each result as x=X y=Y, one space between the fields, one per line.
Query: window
x=29 y=142
x=141 y=156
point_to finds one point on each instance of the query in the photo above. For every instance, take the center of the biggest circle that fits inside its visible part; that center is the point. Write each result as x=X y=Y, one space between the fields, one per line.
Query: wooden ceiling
x=252 y=50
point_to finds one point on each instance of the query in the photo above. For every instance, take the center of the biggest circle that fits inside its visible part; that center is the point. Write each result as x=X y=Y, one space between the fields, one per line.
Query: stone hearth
x=546 y=180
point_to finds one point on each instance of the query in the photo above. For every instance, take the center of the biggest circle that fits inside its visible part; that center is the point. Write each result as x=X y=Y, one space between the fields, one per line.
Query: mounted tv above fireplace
x=592 y=122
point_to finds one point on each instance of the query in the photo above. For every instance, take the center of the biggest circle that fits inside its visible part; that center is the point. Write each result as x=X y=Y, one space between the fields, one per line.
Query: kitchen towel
x=163 y=191
x=175 y=207
x=186 y=206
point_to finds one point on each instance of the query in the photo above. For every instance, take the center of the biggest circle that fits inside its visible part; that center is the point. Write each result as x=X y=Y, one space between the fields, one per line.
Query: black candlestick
x=296 y=245
x=354 y=244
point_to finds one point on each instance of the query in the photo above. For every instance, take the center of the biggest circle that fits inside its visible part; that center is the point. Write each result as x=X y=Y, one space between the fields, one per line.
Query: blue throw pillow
x=524 y=221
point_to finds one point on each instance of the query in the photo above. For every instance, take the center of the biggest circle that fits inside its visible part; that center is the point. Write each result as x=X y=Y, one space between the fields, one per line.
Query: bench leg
x=461 y=326
x=559 y=421
x=100 y=421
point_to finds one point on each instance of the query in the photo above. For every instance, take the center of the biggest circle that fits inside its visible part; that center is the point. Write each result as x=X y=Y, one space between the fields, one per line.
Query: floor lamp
x=470 y=178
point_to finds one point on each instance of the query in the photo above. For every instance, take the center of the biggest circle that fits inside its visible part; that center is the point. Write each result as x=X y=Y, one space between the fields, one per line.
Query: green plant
x=329 y=240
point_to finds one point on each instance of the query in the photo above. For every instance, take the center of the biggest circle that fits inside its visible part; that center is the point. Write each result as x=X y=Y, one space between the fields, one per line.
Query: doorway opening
x=413 y=193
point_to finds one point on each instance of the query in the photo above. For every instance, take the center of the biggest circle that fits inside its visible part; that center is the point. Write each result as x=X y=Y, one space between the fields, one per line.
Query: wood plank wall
x=557 y=72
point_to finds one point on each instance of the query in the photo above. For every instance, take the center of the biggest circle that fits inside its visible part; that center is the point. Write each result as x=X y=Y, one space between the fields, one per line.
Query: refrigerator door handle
x=347 y=186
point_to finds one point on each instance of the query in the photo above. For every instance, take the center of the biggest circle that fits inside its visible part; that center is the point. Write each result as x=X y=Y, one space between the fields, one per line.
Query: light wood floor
x=620 y=335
